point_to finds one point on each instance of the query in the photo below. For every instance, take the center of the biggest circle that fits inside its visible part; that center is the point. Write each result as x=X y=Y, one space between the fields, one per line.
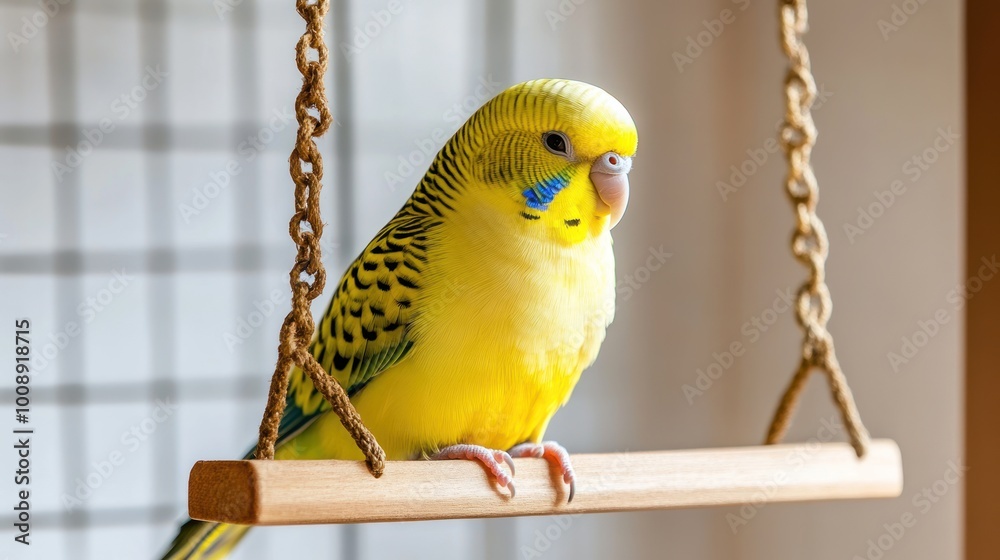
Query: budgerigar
x=465 y=324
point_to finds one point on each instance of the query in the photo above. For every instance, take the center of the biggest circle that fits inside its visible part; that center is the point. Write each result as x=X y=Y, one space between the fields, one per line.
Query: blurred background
x=143 y=231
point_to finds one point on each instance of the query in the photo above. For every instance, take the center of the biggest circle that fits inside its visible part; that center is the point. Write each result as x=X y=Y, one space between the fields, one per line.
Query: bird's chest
x=555 y=316
x=519 y=324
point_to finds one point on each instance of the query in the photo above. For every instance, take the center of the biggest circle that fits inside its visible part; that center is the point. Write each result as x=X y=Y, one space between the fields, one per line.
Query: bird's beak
x=610 y=177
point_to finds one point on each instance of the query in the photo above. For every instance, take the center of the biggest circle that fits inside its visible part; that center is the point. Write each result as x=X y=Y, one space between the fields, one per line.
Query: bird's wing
x=366 y=328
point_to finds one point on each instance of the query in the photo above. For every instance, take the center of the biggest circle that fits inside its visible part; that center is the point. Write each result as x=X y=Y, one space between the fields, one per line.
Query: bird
x=465 y=324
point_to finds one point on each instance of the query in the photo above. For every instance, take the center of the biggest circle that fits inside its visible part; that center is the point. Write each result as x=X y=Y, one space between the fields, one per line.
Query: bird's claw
x=490 y=458
x=510 y=463
x=554 y=454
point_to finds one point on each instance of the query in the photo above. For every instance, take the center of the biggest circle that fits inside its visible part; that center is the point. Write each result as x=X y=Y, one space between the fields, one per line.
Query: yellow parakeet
x=465 y=324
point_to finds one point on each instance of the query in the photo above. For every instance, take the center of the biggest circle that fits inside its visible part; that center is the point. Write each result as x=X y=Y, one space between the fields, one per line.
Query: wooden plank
x=302 y=492
x=982 y=230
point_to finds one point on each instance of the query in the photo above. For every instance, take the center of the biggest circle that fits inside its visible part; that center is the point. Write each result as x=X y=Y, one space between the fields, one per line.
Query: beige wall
x=888 y=99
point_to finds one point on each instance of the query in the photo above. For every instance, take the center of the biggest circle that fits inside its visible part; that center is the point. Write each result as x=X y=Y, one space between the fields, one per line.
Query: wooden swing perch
x=310 y=492
x=268 y=492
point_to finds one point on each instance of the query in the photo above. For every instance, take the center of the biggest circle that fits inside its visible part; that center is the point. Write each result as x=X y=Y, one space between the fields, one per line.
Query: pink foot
x=553 y=453
x=490 y=458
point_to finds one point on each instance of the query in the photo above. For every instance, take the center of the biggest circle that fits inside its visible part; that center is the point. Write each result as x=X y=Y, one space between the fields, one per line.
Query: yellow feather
x=471 y=315
x=509 y=311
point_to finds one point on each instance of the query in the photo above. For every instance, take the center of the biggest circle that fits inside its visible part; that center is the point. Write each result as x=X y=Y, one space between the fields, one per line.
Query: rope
x=308 y=276
x=809 y=241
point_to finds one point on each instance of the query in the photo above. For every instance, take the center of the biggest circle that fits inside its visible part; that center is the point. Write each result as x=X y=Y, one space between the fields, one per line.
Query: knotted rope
x=308 y=276
x=809 y=241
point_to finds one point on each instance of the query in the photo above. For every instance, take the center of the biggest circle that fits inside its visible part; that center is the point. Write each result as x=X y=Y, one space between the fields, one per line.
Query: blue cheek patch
x=544 y=192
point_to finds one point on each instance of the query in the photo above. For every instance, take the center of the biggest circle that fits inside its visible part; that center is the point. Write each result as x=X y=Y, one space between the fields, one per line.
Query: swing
x=268 y=492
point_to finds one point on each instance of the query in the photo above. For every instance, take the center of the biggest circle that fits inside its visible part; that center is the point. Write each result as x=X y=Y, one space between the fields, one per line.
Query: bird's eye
x=556 y=142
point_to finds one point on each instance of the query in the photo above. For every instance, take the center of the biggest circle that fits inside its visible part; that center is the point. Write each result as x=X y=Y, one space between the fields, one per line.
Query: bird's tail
x=204 y=540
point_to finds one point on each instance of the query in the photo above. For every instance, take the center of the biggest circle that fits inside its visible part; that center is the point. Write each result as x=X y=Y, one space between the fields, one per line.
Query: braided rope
x=809 y=241
x=308 y=277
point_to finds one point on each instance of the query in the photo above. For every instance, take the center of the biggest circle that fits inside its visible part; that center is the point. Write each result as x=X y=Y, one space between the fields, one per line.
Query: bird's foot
x=554 y=454
x=490 y=458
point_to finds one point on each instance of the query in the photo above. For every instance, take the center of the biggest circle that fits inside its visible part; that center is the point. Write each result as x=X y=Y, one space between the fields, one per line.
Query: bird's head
x=555 y=154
